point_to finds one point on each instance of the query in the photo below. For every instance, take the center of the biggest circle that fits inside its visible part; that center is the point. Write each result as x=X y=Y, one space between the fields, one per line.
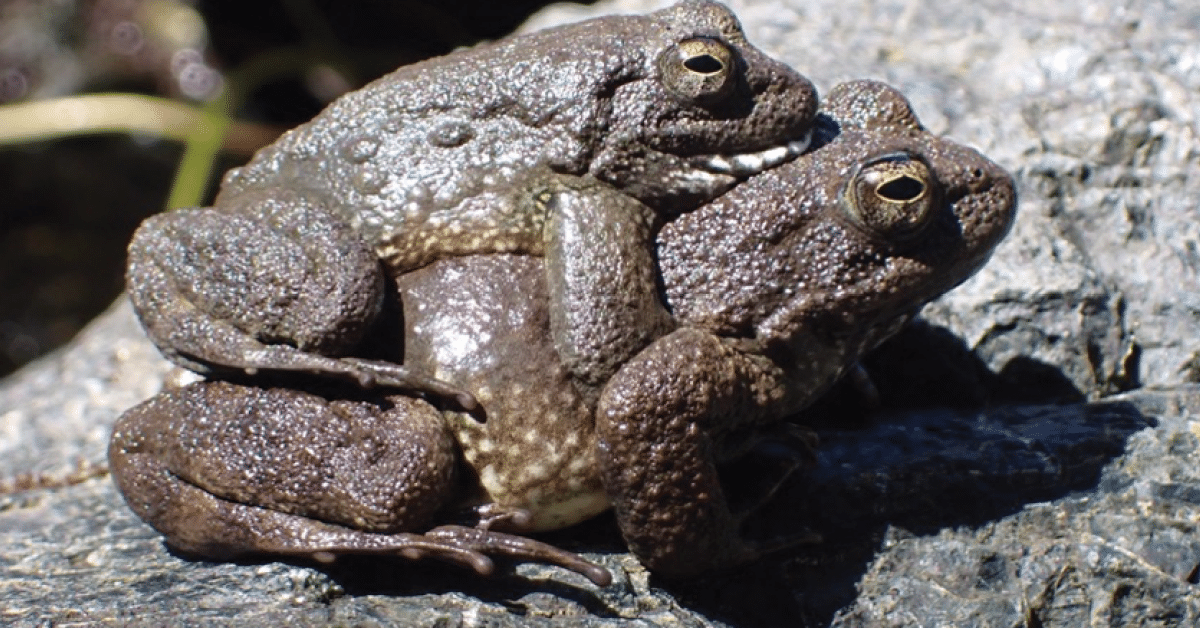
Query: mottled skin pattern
x=624 y=119
x=774 y=290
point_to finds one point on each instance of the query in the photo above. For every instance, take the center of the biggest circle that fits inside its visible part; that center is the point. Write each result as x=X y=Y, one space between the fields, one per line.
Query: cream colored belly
x=553 y=476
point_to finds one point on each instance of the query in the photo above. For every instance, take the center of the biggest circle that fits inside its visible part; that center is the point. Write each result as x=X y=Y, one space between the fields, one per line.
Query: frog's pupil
x=901 y=189
x=704 y=64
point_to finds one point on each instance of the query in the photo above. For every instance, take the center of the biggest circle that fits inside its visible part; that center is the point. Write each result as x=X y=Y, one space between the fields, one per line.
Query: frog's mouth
x=747 y=164
x=672 y=183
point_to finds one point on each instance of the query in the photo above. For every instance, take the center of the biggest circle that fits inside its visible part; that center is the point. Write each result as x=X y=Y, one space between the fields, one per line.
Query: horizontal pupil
x=704 y=64
x=901 y=189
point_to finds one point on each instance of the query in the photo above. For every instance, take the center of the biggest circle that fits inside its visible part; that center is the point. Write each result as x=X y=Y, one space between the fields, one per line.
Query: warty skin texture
x=520 y=146
x=764 y=317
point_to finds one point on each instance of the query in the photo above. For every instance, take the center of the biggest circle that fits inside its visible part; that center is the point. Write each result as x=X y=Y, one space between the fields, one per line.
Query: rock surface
x=1037 y=460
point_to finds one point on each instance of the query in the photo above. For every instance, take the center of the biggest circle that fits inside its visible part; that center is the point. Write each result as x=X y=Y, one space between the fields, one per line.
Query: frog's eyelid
x=895 y=156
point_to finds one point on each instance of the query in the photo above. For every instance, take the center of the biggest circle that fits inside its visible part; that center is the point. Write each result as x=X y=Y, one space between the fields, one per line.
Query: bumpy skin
x=628 y=119
x=778 y=287
x=225 y=470
x=775 y=289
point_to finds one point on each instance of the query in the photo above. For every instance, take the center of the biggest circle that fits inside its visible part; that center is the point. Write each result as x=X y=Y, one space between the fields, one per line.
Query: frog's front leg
x=602 y=277
x=270 y=282
x=659 y=423
x=224 y=470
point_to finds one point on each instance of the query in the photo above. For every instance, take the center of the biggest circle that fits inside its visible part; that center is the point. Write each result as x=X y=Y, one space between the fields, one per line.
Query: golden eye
x=700 y=70
x=892 y=197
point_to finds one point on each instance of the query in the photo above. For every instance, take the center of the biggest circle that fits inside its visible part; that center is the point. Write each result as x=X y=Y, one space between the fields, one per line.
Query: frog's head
x=698 y=108
x=828 y=253
x=929 y=211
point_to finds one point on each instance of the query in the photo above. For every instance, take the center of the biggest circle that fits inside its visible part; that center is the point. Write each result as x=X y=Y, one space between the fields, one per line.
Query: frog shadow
x=949 y=443
x=428 y=581
x=513 y=587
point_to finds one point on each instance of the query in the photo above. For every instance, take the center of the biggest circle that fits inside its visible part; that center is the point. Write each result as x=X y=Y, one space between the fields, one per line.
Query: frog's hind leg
x=201 y=523
x=274 y=283
x=209 y=463
x=224 y=470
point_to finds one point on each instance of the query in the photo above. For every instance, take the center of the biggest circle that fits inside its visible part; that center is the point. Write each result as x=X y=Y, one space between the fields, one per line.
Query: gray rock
x=1005 y=482
x=57 y=413
x=1125 y=552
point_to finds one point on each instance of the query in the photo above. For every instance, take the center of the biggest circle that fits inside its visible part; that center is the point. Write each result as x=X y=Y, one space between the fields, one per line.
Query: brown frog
x=626 y=119
x=774 y=289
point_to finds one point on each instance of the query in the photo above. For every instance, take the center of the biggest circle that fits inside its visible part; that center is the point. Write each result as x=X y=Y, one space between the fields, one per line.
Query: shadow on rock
x=447 y=589
x=360 y=576
x=947 y=443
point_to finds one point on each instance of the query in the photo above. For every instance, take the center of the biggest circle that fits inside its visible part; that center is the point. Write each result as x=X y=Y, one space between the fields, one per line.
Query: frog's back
x=444 y=150
x=429 y=137
x=418 y=142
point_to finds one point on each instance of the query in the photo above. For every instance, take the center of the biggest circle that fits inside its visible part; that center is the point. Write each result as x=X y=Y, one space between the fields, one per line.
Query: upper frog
x=636 y=118
x=774 y=289
x=672 y=108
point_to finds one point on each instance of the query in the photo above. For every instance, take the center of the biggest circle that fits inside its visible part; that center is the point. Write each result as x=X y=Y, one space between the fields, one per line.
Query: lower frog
x=775 y=289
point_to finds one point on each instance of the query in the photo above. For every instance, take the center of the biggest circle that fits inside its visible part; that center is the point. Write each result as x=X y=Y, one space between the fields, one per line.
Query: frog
x=621 y=120
x=775 y=289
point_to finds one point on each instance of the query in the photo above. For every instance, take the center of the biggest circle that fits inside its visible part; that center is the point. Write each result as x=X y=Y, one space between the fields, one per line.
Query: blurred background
x=85 y=155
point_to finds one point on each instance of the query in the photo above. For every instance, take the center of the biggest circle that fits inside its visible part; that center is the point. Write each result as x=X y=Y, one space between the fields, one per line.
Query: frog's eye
x=700 y=70
x=892 y=197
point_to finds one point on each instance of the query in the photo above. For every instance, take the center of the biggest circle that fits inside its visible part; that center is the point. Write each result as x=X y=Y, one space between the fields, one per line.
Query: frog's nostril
x=901 y=189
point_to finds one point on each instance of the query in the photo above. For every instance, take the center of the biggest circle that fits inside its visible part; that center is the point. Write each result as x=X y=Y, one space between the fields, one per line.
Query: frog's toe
x=493 y=516
x=520 y=548
x=379 y=374
x=419 y=547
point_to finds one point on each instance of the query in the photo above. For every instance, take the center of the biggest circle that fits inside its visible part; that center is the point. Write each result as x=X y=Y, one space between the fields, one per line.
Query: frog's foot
x=230 y=352
x=864 y=385
x=235 y=353
x=367 y=374
x=784 y=449
x=490 y=543
x=656 y=451
x=778 y=453
x=754 y=550
x=239 y=530
x=470 y=548
x=379 y=374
